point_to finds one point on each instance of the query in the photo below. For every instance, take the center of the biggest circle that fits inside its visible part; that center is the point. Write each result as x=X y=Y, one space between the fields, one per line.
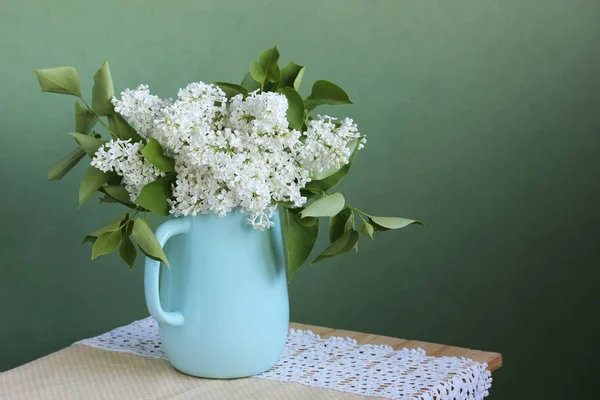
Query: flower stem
x=114 y=135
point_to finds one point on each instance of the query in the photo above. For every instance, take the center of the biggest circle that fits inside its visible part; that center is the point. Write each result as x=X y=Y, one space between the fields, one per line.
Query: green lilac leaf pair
x=111 y=226
x=265 y=69
x=291 y=75
x=107 y=239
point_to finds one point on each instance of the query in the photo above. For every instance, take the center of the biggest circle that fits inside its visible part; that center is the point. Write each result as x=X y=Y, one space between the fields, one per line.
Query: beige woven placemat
x=84 y=372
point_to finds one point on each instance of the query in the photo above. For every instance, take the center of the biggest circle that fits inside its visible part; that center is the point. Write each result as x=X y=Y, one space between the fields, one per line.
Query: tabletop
x=493 y=360
x=85 y=372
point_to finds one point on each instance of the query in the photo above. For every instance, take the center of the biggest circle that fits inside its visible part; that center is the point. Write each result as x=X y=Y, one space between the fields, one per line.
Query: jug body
x=222 y=306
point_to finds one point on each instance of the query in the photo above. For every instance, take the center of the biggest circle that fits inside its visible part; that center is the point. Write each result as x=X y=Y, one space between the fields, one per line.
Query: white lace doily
x=340 y=364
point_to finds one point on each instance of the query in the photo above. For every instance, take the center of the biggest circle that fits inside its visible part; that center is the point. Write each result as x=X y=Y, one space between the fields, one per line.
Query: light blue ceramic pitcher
x=222 y=308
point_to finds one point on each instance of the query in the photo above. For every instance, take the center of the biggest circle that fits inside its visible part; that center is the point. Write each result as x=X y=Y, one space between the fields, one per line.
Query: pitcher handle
x=164 y=232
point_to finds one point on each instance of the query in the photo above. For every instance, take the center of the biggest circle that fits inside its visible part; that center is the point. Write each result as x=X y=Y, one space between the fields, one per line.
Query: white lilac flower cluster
x=125 y=158
x=326 y=146
x=228 y=153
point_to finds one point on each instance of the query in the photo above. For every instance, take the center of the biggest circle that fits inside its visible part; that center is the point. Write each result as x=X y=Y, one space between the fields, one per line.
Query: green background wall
x=483 y=120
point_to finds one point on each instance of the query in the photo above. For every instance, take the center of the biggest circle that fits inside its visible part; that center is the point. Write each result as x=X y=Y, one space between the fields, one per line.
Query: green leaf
x=119 y=193
x=231 y=89
x=342 y=245
x=148 y=243
x=154 y=195
x=295 y=112
x=366 y=229
x=128 y=252
x=291 y=75
x=265 y=69
x=299 y=240
x=337 y=224
x=317 y=176
x=103 y=91
x=349 y=222
x=153 y=152
x=115 y=180
x=63 y=80
x=121 y=128
x=326 y=206
x=107 y=199
x=90 y=239
x=325 y=92
x=333 y=180
x=84 y=119
x=249 y=83
x=61 y=168
x=385 y=223
x=88 y=143
x=309 y=193
x=93 y=180
x=308 y=221
x=270 y=86
x=106 y=243
x=111 y=226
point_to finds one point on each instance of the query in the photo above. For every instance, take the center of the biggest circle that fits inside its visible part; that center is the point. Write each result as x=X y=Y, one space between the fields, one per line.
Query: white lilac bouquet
x=218 y=148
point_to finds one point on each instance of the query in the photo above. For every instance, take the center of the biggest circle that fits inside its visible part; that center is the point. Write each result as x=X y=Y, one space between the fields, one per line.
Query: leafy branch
x=343 y=235
x=118 y=233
